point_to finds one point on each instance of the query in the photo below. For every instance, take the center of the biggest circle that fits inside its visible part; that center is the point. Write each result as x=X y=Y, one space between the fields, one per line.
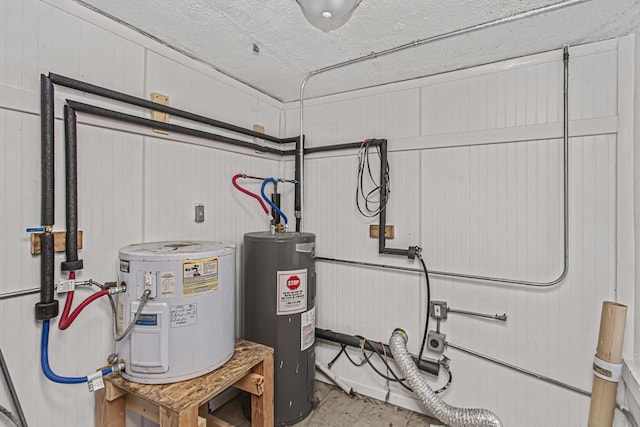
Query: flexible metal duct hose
x=450 y=415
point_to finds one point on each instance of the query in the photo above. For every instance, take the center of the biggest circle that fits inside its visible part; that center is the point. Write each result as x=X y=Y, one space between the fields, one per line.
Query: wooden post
x=603 y=393
x=109 y=413
x=262 y=406
x=187 y=418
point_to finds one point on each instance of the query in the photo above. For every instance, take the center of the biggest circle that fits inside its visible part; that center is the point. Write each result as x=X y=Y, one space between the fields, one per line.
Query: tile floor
x=336 y=409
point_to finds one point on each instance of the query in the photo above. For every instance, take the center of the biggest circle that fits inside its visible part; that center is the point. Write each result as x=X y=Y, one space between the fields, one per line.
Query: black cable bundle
x=376 y=199
x=394 y=377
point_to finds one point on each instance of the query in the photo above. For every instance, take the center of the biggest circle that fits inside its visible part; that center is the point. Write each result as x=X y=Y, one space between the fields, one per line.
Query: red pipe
x=66 y=320
x=249 y=193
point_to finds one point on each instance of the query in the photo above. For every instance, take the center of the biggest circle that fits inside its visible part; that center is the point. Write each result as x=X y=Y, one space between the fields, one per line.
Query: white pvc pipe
x=336 y=380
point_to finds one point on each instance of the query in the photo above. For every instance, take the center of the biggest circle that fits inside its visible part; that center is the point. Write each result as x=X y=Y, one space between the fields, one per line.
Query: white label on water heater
x=168 y=284
x=292 y=291
x=307 y=329
x=184 y=315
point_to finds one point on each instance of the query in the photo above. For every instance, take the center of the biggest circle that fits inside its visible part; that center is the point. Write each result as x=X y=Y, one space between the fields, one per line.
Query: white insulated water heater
x=186 y=327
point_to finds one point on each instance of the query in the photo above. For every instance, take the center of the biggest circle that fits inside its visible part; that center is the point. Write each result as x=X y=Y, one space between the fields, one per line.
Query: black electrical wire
x=22 y=421
x=366 y=360
x=386 y=364
x=426 y=322
x=7 y=413
x=402 y=380
x=352 y=361
x=446 y=386
x=395 y=377
x=342 y=350
x=370 y=209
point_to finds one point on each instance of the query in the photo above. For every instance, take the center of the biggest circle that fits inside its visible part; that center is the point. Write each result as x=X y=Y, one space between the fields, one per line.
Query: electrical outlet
x=438 y=309
x=437 y=341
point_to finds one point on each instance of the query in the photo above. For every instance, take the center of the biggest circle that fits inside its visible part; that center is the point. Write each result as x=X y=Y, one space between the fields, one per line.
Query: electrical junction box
x=436 y=341
x=438 y=309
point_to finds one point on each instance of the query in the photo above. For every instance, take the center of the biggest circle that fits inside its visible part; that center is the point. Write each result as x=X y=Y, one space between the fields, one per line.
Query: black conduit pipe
x=297 y=208
x=428 y=366
x=72 y=262
x=336 y=147
x=275 y=198
x=128 y=118
x=382 y=144
x=12 y=391
x=382 y=243
x=46 y=137
x=140 y=102
x=47 y=308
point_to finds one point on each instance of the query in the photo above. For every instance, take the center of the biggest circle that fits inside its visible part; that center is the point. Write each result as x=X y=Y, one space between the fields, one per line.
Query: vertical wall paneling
x=476 y=171
x=625 y=209
x=636 y=190
x=132 y=186
x=489 y=201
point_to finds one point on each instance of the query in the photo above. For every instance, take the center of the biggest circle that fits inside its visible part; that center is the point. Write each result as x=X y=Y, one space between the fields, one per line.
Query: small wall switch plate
x=199 y=213
x=374 y=231
x=157 y=115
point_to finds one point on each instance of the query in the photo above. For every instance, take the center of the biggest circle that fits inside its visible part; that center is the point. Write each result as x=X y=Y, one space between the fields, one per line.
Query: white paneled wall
x=134 y=185
x=477 y=180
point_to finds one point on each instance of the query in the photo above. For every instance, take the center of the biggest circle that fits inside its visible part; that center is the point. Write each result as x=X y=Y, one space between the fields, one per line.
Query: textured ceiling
x=221 y=33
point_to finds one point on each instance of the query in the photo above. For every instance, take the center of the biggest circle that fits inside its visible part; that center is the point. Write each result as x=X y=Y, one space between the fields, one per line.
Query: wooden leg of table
x=109 y=413
x=186 y=418
x=262 y=406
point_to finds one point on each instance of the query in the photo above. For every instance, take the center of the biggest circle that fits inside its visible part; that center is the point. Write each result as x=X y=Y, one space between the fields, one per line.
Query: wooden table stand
x=184 y=404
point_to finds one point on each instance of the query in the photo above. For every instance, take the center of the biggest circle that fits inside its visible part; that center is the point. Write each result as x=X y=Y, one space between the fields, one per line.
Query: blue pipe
x=268 y=200
x=45 y=361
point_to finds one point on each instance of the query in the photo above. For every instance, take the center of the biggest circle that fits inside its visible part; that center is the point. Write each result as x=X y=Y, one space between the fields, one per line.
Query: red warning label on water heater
x=292 y=291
